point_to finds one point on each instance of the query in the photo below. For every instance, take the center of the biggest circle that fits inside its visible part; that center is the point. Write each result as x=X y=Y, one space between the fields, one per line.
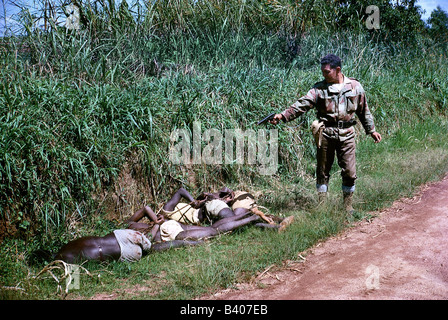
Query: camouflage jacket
x=334 y=105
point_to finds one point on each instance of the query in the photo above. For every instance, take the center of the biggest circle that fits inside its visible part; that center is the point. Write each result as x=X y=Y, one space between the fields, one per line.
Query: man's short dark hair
x=331 y=59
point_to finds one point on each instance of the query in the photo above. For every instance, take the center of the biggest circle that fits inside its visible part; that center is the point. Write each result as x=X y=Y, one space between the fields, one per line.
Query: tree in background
x=399 y=20
x=438 y=22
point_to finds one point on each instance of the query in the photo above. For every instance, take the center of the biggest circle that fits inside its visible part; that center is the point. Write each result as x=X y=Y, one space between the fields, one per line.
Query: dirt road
x=401 y=254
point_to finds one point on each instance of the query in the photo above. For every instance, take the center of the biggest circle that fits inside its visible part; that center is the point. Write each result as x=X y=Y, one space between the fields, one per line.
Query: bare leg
x=226 y=213
x=229 y=212
x=221 y=226
x=161 y=246
x=240 y=214
x=232 y=225
x=197 y=233
x=284 y=223
x=239 y=211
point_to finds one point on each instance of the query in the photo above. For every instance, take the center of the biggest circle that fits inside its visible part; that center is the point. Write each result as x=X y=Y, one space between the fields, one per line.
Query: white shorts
x=244 y=200
x=132 y=243
x=169 y=230
x=215 y=206
x=183 y=212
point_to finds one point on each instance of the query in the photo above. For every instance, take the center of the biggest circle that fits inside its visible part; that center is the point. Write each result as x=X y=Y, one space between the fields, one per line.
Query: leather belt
x=340 y=124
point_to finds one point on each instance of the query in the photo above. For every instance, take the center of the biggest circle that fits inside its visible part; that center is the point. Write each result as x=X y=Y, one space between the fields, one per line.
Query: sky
x=11 y=10
x=430 y=5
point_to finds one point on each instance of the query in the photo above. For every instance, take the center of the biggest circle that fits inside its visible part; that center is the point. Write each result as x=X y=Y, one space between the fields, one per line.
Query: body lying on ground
x=138 y=239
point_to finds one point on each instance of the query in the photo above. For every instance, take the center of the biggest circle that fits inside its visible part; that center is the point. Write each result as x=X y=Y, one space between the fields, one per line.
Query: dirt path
x=401 y=254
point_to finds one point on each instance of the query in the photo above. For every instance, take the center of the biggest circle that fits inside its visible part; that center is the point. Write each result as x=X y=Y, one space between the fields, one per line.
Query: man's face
x=331 y=75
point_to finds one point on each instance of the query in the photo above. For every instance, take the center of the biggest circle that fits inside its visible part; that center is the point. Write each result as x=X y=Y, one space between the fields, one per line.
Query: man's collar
x=346 y=85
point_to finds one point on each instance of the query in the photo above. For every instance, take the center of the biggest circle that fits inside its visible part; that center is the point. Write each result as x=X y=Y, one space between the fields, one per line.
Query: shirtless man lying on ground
x=214 y=206
x=132 y=243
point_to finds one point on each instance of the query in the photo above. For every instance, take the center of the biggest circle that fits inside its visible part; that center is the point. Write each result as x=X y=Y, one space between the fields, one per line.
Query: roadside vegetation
x=86 y=117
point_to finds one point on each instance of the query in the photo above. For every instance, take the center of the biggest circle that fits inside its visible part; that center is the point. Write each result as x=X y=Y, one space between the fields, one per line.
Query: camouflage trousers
x=345 y=152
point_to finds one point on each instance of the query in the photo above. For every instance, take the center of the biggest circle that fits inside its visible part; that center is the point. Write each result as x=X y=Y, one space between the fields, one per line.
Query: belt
x=340 y=124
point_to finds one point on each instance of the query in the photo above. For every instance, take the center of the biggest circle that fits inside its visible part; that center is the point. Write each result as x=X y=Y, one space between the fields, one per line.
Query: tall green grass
x=77 y=105
x=389 y=171
x=86 y=118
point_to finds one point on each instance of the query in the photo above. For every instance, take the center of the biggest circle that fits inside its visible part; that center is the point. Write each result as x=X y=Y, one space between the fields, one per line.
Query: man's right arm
x=301 y=106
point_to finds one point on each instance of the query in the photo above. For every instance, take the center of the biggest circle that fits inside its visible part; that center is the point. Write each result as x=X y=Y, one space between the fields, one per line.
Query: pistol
x=266 y=119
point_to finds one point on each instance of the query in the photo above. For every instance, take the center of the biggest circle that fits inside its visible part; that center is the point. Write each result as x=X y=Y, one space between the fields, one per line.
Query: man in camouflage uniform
x=337 y=99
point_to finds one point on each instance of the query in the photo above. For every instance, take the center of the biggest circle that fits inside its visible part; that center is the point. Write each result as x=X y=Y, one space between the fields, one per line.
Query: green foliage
x=77 y=105
x=86 y=113
x=439 y=25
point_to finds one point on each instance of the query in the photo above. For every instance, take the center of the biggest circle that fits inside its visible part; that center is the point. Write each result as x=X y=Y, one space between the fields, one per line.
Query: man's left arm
x=365 y=116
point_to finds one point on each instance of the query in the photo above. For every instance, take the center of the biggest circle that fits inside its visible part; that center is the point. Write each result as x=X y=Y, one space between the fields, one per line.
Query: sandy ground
x=400 y=254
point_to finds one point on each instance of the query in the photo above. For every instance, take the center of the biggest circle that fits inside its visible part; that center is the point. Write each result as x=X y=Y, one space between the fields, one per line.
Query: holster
x=317 y=127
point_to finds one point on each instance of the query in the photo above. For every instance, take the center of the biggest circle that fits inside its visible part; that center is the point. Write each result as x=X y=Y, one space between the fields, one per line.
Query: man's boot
x=348 y=202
